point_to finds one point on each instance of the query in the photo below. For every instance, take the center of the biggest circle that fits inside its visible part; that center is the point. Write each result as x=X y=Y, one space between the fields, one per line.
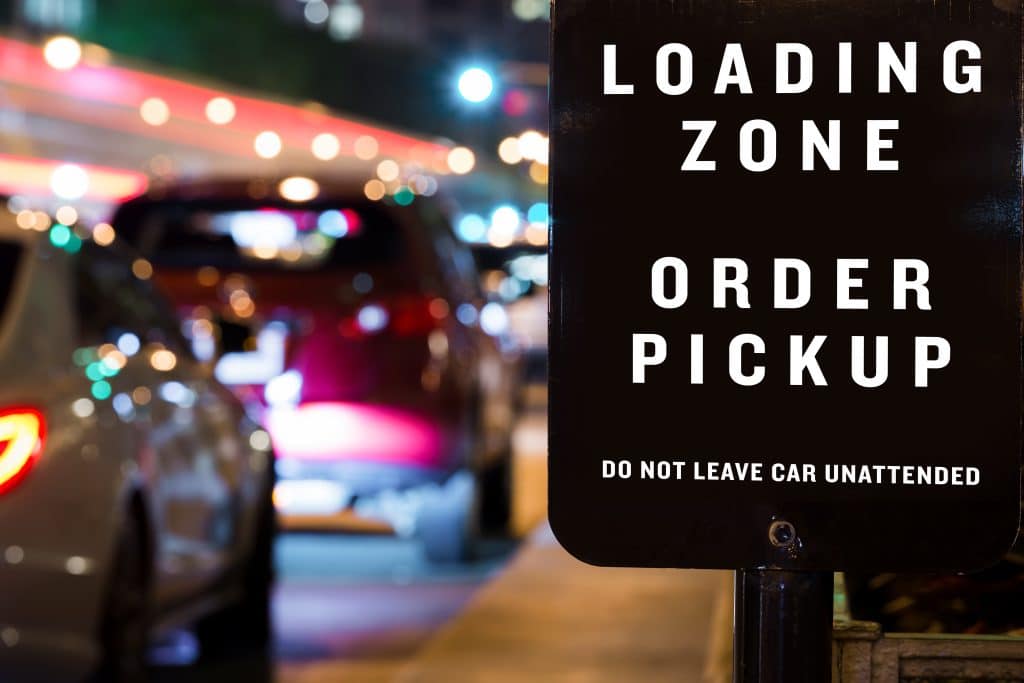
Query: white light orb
x=69 y=181
x=475 y=85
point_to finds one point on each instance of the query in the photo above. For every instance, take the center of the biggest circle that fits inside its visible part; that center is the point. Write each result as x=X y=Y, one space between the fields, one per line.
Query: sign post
x=786 y=294
x=783 y=627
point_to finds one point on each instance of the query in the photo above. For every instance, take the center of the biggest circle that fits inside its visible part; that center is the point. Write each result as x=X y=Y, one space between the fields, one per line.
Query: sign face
x=786 y=287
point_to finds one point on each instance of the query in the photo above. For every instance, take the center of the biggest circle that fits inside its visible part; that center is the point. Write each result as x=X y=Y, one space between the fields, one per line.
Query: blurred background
x=339 y=209
x=273 y=306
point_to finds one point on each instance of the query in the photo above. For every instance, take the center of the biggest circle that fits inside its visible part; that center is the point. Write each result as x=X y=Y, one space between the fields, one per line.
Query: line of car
x=229 y=355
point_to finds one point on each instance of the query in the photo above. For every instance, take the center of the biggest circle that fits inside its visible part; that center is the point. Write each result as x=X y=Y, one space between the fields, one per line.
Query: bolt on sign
x=786 y=305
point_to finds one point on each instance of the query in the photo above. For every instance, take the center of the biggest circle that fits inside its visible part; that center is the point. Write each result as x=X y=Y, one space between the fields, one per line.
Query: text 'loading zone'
x=786 y=283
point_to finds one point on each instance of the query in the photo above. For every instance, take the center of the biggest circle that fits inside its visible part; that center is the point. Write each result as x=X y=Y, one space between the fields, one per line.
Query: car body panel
x=425 y=391
x=103 y=454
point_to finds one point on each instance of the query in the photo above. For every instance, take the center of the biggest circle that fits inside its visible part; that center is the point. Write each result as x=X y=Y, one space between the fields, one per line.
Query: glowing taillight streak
x=21 y=440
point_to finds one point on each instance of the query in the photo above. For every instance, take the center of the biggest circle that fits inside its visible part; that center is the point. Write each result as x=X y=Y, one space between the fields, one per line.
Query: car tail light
x=402 y=315
x=21 y=440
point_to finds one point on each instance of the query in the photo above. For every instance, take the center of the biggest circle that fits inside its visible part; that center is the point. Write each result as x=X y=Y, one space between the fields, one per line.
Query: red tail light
x=402 y=315
x=22 y=431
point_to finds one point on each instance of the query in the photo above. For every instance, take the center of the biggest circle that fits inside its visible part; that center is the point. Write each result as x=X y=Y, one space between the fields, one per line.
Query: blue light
x=372 y=318
x=333 y=224
x=472 y=228
x=466 y=313
x=475 y=85
x=538 y=213
x=129 y=344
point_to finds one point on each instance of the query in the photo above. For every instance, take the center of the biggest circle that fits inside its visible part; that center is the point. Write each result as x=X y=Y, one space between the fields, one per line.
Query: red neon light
x=24 y=65
x=22 y=432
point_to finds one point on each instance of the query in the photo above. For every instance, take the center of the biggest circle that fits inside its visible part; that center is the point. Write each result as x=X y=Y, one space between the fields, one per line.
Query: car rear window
x=10 y=257
x=255 y=236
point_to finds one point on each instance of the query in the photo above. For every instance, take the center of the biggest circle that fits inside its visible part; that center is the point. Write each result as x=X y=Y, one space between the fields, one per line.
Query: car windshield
x=258 y=237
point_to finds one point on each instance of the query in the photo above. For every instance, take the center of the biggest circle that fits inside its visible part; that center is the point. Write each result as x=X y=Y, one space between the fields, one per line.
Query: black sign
x=786 y=283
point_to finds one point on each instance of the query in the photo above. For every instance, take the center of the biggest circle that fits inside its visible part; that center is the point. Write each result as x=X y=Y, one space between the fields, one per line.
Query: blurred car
x=134 y=491
x=518 y=276
x=385 y=380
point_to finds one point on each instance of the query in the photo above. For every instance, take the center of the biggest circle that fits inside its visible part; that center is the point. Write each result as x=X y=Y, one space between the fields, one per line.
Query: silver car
x=135 y=493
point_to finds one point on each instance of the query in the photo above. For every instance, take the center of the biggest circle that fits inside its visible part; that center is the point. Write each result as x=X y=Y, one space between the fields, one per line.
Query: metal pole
x=783 y=627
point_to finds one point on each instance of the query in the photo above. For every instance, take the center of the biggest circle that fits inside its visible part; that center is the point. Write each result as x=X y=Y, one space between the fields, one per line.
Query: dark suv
x=359 y=331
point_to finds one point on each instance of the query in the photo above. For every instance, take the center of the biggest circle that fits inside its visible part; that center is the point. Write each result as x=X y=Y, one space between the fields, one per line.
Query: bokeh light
x=388 y=170
x=366 y=147
x=326 y=146
x=62 y=52
x=129 y=344
x=504 y=225
x=476 y=85
x=346 y=20
x=155 y=111
x=60 y=235
x=472 y=228
x=101 y=390
x=67 y=215
x=69 y=181
x=316 y=11
x=539 y=173
x=375 y=190
x=163 y=360
x=461 y=160
x=26 y=219
x=142 y=269
x=83 y=408
x=333 y=224
x=537 y=234
x=508 y=151
x=530 y=10
x=506 y=218
x=533 y=145
x=103 y=234
x=515 y=103
x=42 y=221
x=298 y=189
x=220 y=111
x=538 y=213
x=267 y=144
x=404 y=196
x=493 y=318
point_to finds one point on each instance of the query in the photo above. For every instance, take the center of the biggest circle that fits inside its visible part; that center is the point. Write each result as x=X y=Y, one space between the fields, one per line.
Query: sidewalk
x=548 y=617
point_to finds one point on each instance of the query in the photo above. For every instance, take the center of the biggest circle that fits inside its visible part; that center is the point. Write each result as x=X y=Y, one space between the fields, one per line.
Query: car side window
x=456 y=262
x=98 y=315
x=112 y=300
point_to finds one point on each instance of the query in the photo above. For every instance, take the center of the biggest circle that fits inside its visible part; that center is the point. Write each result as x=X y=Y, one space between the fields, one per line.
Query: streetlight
x=476 y=85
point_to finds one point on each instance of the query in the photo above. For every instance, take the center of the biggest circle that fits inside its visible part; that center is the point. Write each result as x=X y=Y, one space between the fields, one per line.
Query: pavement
x=359 y=608
x=368 y=608
x=549 y=617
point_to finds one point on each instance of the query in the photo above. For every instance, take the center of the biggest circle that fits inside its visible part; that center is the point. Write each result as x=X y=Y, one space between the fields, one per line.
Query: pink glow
x=352 y=431
x=23 y=65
